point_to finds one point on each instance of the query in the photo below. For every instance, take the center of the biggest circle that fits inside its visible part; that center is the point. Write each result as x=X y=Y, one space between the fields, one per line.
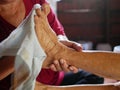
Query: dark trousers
x=82 y=77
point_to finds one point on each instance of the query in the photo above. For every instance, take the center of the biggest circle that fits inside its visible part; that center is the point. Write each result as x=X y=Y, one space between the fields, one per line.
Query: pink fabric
x=45 y=76
x=6 y=28
x=50 y=77
x=60 y=78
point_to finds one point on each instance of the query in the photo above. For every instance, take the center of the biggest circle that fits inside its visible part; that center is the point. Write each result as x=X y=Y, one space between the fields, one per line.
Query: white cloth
x=23 y=44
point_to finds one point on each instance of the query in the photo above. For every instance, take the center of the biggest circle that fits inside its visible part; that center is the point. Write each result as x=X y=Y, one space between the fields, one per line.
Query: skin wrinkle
x=70 y=87
x=79 y=59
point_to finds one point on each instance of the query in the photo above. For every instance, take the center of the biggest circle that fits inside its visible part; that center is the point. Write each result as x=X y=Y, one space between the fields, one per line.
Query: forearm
x=6 y=66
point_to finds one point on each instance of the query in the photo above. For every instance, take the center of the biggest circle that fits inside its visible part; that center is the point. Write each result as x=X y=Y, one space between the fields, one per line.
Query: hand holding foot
x=46 y=37
x=105 y=64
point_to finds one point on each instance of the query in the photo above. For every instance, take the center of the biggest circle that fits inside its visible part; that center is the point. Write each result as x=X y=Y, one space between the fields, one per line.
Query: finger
x=40 y=13
x=57 y=65
x=64 y=65
x=46 y=8
x=52 y=67
x=77 y=46
x=73 y=45
x=73 y=69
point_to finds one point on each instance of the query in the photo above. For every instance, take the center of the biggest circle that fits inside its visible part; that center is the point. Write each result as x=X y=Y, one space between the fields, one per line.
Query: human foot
x=97 y=62
x=47 y=37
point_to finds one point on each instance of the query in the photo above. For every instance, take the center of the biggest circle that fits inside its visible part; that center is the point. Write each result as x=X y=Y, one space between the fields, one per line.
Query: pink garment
x=46 y=76
x=6 y=28
x=50 y=77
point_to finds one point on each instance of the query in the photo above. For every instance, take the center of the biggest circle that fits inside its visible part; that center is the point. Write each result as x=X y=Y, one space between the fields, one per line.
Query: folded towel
x=23 y=44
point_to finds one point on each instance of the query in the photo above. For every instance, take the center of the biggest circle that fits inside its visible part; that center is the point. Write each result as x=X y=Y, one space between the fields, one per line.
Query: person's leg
x=97 y=62
x=82 y=77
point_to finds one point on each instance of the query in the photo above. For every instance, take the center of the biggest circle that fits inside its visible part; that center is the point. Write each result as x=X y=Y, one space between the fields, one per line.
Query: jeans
x=82 y=77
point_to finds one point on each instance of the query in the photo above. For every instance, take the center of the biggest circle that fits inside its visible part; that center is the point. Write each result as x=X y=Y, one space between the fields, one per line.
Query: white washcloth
x=23 y=44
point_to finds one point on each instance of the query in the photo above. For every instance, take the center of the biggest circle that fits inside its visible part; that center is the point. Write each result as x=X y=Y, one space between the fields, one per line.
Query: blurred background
x=93 y=23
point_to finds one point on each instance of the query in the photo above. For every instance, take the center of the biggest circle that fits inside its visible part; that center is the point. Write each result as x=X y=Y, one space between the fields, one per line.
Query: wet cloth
x=23 y=44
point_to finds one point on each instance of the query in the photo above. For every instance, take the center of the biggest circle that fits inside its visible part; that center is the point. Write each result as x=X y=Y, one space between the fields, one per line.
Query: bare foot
x=46 y=36
x=98 y=62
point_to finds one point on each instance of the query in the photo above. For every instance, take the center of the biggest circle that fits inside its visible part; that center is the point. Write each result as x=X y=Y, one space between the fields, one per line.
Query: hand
x=61 y=65
x=71 y=44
